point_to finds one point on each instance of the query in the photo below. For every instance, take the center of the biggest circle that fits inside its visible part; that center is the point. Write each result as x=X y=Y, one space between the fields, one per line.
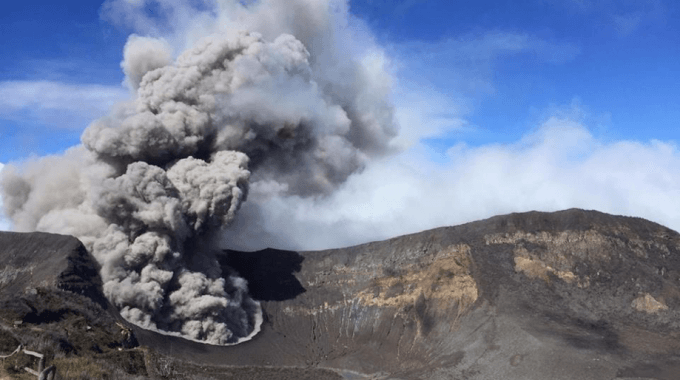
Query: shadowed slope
x=31 y=260
x=51 y=301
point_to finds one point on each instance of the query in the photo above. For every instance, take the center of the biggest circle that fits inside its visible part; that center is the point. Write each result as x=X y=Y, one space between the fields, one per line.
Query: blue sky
x=513 y=60
x=60 y=69
x=505 y=63
x=473 y=81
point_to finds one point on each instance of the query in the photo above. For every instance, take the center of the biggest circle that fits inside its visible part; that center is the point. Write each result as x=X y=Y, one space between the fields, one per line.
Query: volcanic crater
x=573 y=294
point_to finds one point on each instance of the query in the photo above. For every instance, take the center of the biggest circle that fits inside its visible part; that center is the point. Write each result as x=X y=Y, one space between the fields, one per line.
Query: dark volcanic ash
x=156 y=180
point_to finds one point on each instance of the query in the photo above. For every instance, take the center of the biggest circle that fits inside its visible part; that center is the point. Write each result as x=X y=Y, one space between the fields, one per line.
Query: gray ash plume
x=156 y=180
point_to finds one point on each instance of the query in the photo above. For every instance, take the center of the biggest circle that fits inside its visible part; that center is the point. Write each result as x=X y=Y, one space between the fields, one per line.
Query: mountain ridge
x=569 y=294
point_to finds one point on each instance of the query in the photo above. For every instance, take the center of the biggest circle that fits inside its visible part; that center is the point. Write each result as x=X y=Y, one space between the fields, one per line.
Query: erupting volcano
x=271 y=111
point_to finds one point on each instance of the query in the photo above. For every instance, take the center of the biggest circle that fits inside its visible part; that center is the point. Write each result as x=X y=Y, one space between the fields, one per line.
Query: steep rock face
x=51 y=302
x=571 y=294
x=29 y=261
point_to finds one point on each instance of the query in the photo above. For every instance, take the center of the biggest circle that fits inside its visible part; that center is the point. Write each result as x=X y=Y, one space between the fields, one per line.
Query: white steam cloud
x=267 y=99
x=560 y=165
x=4 y=223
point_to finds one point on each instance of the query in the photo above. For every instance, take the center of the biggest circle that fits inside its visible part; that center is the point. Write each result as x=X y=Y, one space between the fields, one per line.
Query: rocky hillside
x=51 y=303
x=567 y=295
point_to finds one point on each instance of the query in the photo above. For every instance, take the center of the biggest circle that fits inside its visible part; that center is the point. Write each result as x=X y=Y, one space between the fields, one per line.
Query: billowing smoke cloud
x=283 y=111
x=272 y=121
x=141 y=55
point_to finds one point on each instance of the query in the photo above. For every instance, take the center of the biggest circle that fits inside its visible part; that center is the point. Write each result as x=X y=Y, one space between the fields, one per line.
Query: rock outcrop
x=32 y=261
x=567 y=295
x=51 y=302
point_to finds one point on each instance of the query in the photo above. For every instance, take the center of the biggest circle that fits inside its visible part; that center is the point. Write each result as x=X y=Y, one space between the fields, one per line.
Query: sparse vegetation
x=97 y=367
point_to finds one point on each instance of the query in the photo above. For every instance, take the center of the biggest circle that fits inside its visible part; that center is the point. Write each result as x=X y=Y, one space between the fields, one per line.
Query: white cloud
x=425 y=112
x=492 y=44
x=561 y=165
x=439 y=83
x=4 y=223
x=56 y=104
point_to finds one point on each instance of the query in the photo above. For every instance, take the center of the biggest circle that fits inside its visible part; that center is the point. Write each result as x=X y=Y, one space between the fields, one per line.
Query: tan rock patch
x=533 y=268
x=446 y=278
x=648 y=304
x=557 y=253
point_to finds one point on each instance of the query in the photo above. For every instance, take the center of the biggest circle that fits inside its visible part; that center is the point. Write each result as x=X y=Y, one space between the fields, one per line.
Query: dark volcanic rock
x=566 y=295
x=51 y=302
x=29 y=261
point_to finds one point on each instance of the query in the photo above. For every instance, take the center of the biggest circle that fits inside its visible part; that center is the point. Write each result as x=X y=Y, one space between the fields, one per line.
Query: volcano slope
x=51 y=302
x=566 y=295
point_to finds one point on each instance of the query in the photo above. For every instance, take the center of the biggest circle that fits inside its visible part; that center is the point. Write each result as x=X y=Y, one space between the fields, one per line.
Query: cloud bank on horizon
x=303 y=130
x=4 y=222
